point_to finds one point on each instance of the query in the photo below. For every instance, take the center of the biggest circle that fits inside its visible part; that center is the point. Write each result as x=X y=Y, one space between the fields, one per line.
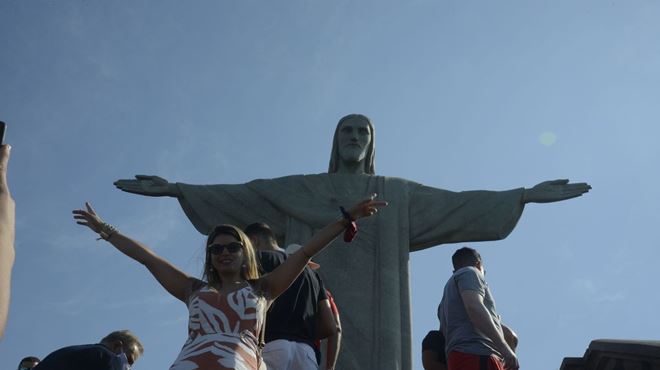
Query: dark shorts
x=465 y=361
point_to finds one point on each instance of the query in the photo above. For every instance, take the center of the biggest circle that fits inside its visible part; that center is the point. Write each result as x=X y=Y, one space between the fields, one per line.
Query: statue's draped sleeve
x=440 y=216
x=210 y=205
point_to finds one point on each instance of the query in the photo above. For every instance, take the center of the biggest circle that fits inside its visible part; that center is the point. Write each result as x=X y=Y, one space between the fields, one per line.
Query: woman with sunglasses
x=227 y=308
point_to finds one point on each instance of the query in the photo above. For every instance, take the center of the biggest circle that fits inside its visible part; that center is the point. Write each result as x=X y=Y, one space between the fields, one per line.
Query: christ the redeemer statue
x=369 y=277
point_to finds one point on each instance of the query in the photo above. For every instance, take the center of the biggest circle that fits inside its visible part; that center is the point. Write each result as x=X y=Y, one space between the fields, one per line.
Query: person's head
x=353 y=144
x=123 y=341
x=467 y=257
x=28 y=363
x=229 y=252
x=261 y=235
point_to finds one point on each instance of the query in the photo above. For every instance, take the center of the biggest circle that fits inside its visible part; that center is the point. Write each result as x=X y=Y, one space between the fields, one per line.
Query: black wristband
x=345 y=213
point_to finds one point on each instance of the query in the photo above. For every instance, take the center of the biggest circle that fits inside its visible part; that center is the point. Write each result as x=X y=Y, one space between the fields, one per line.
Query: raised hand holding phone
x=3 y=127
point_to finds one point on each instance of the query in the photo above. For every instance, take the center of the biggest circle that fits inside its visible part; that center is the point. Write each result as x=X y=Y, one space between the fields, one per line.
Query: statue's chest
x=344 y=189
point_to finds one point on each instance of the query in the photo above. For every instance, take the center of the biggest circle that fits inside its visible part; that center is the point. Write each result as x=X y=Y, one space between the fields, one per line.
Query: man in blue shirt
x=470 y=323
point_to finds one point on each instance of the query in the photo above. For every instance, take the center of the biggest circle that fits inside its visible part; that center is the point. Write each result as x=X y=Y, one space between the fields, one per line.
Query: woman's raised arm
x=175 y=281
x=283 y=276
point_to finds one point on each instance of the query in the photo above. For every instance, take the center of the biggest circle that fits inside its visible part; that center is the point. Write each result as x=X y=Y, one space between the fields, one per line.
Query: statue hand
x=152 y=186
x=554 y=191
x=366 y=208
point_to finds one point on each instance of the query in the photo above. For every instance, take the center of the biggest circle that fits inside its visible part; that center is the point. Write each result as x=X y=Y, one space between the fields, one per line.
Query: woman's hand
x=88 y=218
x=176 y=282
x=367 y=207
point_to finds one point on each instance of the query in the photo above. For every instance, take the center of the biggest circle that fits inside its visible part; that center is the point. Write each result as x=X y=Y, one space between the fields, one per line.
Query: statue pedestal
x=611 y=354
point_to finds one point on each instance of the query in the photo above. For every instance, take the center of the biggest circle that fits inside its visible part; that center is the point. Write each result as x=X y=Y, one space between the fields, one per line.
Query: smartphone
x=2 y=132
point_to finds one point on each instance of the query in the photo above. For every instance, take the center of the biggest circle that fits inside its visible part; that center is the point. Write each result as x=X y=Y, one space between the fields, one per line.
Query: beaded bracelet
x=106 y=231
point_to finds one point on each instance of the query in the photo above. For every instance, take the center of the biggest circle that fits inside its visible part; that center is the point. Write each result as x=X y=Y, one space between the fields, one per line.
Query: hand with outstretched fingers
x=554 y=191
x=88 y=217
x=153 y=186
x=367 y=207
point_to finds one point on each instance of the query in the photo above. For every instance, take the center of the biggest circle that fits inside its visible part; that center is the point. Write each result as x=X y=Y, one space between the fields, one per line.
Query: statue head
x=353 y=145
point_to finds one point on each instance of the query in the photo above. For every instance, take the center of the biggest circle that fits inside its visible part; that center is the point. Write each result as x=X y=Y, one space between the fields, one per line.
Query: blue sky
x=464 y=95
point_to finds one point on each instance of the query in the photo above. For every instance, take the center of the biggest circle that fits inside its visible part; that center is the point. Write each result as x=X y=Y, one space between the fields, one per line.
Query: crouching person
x=117 y=351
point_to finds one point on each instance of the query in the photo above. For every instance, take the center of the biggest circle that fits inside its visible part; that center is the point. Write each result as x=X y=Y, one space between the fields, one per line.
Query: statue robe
x=368 y=277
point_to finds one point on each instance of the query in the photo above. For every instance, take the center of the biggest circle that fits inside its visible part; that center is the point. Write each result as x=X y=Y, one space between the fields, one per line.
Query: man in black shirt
x=117 y=351
x=299 y=316
x=433 y=351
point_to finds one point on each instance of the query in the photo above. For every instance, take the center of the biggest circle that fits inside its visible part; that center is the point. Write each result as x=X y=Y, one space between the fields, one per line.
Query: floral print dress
x=223 y=330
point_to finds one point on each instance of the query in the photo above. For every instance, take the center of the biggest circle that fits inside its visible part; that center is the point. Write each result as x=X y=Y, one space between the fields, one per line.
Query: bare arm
x=480 y=318
x=7 y=234
x=325 y=322
x=510 y=337
x=334 y=344
x=282 y=277
x=172 y=279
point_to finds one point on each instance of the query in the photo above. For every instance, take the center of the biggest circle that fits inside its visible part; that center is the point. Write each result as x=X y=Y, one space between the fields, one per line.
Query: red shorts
x=466 y=361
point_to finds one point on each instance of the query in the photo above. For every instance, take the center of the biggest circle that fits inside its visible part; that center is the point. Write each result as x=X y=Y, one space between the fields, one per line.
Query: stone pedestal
x=611 y=354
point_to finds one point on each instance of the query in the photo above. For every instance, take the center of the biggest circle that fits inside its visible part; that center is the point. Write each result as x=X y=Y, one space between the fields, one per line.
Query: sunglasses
x=233 y=247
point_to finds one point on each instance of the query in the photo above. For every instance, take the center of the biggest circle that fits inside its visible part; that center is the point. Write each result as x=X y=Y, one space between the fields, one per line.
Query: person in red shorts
x=469 y=320
x=433 y=348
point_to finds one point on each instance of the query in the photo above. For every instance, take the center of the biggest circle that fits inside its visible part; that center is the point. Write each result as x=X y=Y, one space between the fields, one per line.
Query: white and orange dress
x=223 y=330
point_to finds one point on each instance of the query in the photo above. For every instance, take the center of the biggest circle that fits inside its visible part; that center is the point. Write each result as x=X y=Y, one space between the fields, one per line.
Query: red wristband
x=351 y=228
x=350 y=232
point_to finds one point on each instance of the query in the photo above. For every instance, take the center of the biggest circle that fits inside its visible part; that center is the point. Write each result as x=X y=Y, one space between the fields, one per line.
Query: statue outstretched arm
x=152 y=186
x=440 y=216
x=554 y=191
